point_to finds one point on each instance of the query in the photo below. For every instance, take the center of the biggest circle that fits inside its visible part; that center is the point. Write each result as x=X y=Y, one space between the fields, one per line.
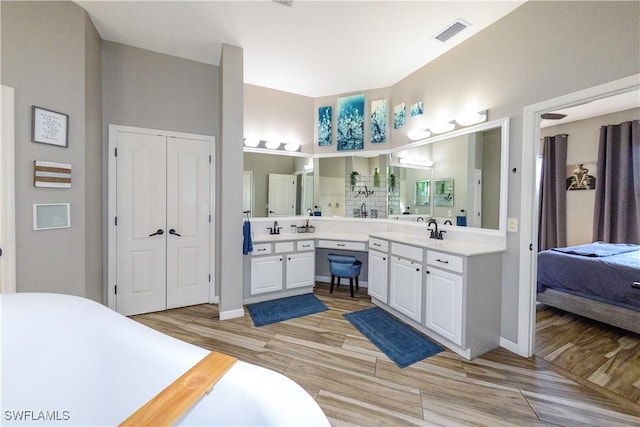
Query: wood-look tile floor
x=356 y=384
x=601 y=354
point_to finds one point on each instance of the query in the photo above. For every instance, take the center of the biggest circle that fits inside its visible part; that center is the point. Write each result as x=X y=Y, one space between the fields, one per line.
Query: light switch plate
x=512 y=225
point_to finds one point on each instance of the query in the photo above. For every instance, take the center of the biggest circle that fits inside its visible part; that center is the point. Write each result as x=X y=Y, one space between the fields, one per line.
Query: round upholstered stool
x=344 y=266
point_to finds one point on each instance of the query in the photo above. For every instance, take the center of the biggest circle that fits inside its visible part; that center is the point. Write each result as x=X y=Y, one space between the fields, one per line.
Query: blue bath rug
x=399 y=341
x=277 y=310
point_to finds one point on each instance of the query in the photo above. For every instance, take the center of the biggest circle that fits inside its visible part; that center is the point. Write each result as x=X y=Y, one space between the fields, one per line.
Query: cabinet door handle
x=306 y=246
x=280 y=259
x=341 y=245
x=635 y=285
x=417 y=269
x=428 y=272
x=377 y=244
x=384 y=259
x=289 y=258
x=262 y=249
x=444 y=262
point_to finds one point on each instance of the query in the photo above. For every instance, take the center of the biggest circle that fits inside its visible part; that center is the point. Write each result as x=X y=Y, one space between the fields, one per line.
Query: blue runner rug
x=267 y=312
x=399 y=341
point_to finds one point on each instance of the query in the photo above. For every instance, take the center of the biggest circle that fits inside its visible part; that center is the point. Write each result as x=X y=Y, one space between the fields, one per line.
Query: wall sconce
x=469 y=119
x=442 y=127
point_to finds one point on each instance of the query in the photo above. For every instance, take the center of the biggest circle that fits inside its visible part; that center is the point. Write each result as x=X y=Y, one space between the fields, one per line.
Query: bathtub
x=69 y=361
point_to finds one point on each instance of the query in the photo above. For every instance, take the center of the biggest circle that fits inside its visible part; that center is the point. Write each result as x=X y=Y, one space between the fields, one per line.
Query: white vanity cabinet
x=300 y=269
x=266 y=274
x=405 y=286
x=279 y=269
x=378 y=273
x=443 y=312
x=463 y=300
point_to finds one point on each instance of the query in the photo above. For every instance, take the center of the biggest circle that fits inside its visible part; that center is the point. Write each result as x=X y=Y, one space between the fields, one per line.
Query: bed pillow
x=599 y=249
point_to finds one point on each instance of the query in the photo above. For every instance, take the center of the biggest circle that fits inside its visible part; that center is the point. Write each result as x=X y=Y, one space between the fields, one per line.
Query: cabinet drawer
x=406 y=251
x=337 y=244
x=446 y=261
x=305 y=245
x=262 y=249
x=282 y=247
x=378 y=244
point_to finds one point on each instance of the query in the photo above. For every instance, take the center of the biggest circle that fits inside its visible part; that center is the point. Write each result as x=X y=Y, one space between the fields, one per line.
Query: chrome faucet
x=363 y=210
x=435 y=234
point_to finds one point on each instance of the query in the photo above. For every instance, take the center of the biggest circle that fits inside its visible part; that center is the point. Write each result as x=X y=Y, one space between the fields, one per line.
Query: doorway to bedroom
x=594 y=352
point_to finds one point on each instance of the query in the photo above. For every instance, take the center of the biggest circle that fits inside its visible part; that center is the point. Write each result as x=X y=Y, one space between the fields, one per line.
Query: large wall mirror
x=442 y=176
x=277 y=185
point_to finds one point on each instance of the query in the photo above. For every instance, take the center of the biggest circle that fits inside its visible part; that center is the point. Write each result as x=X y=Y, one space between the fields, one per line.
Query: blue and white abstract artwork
x=379 y=120
x=324 y=126
x=399 y=116
x=417 y=109
x=350 y=123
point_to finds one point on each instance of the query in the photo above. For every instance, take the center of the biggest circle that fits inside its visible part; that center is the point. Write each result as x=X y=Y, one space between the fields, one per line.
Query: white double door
x=163 y=222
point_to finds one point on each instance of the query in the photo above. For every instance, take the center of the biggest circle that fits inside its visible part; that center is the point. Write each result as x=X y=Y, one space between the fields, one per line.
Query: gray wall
x=582 y=147
x=50 y=55
x=540 y=51
x=152 y=90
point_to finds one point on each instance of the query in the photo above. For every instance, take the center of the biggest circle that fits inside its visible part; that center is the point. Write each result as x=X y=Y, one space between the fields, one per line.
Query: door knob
x=157 y=233
x=173 y=231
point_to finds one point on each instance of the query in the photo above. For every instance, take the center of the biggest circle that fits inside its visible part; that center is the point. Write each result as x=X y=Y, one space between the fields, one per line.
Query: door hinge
x=530 y=246
x=209 y=217
x=209 y=158
x=116 y=151
x=115 y=222
x=115 y=290
x=209 y=277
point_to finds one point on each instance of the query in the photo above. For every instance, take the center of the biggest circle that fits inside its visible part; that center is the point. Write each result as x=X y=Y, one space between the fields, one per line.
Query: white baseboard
x=231 y=314
x=509 y=345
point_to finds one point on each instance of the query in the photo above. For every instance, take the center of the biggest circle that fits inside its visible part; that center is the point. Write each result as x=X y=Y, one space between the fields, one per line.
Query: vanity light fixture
x=292 y=146
x=469 y=119
x=272 y=145
x=442 y=127
x=415 y=162
x=251 y=142
x=418 y=134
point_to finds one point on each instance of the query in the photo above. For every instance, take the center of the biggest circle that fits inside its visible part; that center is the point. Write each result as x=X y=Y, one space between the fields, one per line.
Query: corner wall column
x=229 y=190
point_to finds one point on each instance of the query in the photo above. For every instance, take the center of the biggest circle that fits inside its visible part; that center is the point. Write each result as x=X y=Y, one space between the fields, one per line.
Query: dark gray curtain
x=553 y=193
x=617 y=208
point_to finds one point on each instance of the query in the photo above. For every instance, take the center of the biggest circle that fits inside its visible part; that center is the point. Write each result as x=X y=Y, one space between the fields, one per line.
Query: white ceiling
x=599 y=107
x=313 y=48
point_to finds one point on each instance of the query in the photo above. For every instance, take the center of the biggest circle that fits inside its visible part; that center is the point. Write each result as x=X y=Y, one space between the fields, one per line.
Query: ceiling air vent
x=451 y=30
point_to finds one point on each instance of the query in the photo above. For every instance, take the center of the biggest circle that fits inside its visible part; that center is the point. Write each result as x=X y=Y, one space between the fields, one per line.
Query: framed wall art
x=49 y=127
x=350 y=123
x=324 y=126
x=379 y=121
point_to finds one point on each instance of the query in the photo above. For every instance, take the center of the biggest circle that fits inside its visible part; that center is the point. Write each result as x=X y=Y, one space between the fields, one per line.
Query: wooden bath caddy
x=168 y=405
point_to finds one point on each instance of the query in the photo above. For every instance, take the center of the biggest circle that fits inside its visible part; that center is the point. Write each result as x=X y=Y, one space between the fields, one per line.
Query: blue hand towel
x=247 y=244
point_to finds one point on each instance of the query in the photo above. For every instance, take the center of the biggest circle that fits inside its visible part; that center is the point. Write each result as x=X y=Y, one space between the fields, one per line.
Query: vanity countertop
x=324 y=235
x=457 y=247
